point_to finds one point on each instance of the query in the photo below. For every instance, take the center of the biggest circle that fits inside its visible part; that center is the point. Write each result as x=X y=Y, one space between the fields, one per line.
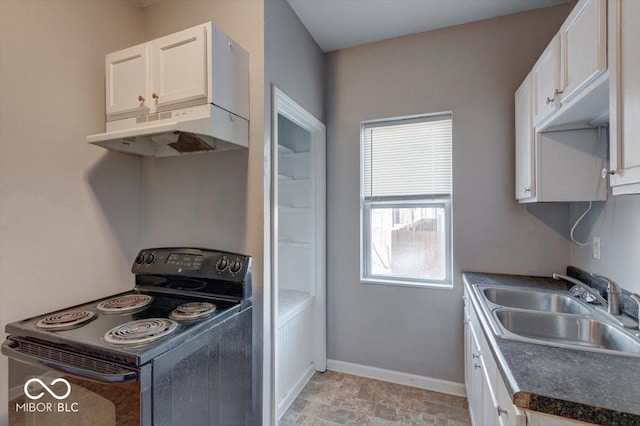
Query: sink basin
x=537 y=301
x=568 y=330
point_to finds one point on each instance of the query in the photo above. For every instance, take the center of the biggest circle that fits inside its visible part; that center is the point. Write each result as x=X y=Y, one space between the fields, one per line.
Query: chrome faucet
x=613 y=295
x=613 y=292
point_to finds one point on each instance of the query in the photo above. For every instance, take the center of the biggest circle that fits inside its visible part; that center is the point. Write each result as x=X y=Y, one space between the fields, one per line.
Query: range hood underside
x=221 y=131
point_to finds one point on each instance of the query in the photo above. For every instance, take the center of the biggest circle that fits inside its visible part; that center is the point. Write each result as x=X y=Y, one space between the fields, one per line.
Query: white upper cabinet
x=197 y=66
x=179 y=68
x=624 y=72
x=525 y=138
x=126 y=73
x=570 y=78
x=583 y=38
x=546 y=81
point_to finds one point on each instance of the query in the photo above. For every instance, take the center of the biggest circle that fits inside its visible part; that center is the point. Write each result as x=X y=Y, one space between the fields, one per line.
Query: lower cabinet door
x=508 y=414
x=489 y=412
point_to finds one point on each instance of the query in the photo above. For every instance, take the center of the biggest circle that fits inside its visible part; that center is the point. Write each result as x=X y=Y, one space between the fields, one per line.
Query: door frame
x=288 y=108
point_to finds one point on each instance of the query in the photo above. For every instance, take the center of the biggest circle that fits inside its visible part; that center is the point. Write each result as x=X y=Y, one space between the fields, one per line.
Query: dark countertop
x=588 y=386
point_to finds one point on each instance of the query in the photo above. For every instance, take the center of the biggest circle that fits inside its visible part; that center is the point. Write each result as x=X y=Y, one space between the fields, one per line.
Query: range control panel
x=192 y=262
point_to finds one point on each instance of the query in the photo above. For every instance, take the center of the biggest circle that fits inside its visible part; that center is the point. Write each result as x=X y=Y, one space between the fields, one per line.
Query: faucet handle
x=636 y=297
x=611 y=285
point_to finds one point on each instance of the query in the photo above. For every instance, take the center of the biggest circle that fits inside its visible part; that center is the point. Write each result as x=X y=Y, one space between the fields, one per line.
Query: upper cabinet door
x=584 y=46
x=126 y=72
x=624 y=96
x=179 y=68
x=546 y=81
x=525 y=153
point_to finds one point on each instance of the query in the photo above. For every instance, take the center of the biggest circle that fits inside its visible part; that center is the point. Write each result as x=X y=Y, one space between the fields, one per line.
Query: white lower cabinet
x=484 y=381
x=490 y=402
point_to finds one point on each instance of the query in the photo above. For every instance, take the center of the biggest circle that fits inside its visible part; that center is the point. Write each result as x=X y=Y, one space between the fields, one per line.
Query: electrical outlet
x=596 y=247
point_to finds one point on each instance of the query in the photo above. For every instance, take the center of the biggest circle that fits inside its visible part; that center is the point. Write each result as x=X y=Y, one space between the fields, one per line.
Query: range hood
x=183 y=93
x=204 y=128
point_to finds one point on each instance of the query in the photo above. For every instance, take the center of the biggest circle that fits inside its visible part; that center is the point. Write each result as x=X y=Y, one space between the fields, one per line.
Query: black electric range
x=186 y=324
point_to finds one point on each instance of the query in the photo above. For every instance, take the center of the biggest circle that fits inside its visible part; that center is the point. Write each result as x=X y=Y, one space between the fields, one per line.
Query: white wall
x=472 y=70
x=294 y=63
x=70 y=213
x=617 y=223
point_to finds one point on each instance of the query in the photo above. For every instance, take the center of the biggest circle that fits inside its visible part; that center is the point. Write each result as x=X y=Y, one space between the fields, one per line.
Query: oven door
x=50 y=386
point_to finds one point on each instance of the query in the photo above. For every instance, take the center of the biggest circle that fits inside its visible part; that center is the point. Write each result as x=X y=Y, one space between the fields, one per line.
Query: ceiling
x=336 y=24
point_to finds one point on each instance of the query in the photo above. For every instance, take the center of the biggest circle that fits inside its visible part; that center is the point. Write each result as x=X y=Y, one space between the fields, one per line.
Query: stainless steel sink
x=554 y=318
x=537 y=301
x=569 y=330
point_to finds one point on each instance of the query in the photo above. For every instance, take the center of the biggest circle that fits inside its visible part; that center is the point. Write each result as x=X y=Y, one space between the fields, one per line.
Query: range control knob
x=140 y=259
x=150 y=258
x=236 y=266
x=222 y=264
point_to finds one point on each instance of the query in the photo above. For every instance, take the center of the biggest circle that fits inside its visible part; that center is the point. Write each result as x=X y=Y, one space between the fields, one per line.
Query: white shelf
x=290 y=243
x=293 y=154
x=286 y=151
x=292 y=180
x=291 y=303
x=285 y=178
x=293 y=209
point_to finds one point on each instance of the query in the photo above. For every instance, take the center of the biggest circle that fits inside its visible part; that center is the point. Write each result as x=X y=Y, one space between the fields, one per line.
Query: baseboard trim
x=422 y=382
x=295 y=391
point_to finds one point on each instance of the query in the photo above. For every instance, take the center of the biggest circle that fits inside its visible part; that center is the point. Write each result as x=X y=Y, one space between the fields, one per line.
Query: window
x=406 y=200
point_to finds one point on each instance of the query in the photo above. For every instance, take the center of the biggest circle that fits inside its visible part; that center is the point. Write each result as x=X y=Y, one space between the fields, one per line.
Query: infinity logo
x=52 y=393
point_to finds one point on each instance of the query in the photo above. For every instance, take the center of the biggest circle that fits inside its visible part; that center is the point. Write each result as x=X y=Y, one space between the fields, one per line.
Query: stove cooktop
x=89 y=337
x=209 y=286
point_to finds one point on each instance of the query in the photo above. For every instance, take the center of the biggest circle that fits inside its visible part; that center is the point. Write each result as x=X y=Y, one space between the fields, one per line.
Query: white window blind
x=409 y=157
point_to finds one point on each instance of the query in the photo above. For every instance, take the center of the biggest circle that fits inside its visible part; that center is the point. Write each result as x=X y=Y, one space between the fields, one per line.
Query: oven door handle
x=9 y=348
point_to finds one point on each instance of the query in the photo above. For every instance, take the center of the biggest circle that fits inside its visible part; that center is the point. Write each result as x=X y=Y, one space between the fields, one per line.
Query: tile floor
x=333 y=398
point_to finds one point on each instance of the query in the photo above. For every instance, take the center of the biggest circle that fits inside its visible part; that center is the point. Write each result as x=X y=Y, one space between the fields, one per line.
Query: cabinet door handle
x=604 y=172
x=141 y=98
x=475 y=356
x=527 y=190
x=477 y=366
x=502 y=411
x=555 y=94
x=154 y=96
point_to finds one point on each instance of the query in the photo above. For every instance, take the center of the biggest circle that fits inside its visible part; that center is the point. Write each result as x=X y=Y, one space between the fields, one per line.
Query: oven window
x=46 y=397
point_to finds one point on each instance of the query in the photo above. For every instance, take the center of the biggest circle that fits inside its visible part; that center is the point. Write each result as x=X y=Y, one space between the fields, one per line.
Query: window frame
x=433 y=200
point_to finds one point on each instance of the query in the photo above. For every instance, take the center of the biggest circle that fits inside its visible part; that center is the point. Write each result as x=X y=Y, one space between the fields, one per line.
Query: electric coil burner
x=120 y=304
x=65 y=320
x=140 y=332
x=193 y=311
x=175 y=350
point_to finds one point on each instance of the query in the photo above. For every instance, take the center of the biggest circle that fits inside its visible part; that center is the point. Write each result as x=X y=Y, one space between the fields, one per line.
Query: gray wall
x=70 y=212
x=617 y=223
x=294 y=63
x=472 y=70
x=293 y=60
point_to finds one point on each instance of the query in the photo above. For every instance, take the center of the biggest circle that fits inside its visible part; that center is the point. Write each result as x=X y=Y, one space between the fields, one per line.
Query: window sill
x=418 y=284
